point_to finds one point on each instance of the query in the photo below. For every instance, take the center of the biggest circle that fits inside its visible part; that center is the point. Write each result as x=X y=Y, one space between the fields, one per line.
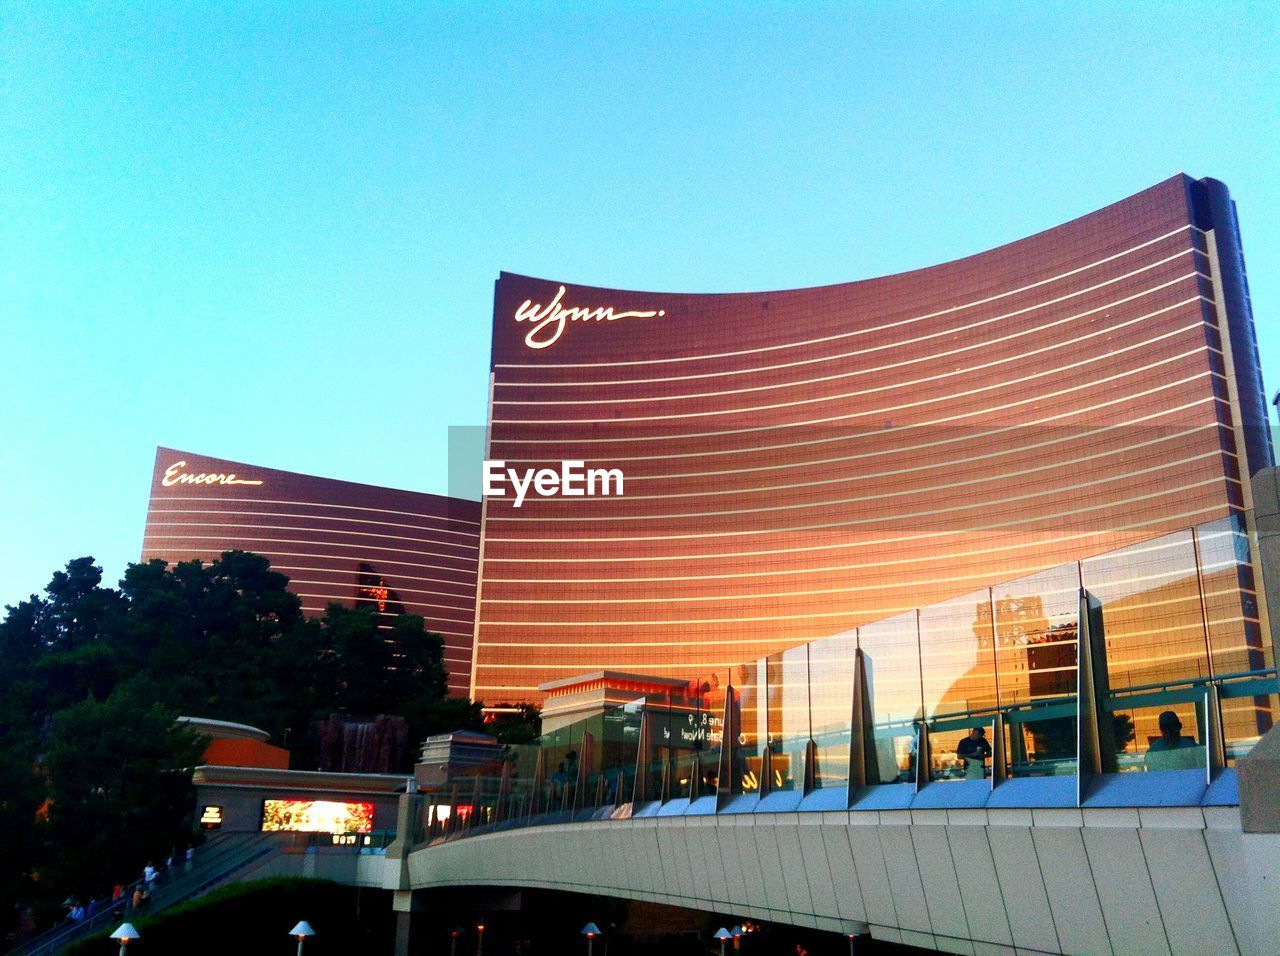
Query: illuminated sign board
x=176 y=474
x=316 y=816
x=549 y=321
x=211 y=818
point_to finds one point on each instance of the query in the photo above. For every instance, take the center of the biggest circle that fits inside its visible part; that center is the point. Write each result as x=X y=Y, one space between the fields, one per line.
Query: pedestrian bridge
x=972 y=880
x=832 y=787
x=1165 y=861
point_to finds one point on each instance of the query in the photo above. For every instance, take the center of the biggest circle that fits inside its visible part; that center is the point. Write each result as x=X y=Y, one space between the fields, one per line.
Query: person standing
x=974 y=751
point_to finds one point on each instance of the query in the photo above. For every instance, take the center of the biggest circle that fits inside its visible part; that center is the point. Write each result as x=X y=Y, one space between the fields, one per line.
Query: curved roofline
x=225 y=729
x=503 y=274
x=302 y=474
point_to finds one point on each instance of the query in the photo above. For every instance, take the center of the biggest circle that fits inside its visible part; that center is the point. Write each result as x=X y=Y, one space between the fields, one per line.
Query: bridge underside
x=1114 y=880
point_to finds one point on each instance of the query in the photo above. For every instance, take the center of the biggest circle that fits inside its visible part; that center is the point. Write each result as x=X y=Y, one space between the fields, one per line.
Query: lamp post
x=590 y=931
x=453 y=940
x=737 y=937
x=479 y=939
x=723 y=934
x=301 y=932
x=126 y=934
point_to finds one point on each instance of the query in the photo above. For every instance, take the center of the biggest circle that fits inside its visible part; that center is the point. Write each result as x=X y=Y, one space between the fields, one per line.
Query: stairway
x=214 y=864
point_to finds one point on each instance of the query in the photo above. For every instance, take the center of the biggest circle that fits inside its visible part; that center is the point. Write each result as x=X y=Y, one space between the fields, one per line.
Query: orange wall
x=246 y=753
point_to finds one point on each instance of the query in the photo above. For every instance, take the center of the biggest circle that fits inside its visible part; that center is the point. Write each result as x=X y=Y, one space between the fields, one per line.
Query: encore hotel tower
x=337 y=541
x=803 y=462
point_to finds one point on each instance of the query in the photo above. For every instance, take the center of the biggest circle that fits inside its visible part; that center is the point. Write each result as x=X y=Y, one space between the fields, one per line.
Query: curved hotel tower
x=804 y=463
x=337 y=541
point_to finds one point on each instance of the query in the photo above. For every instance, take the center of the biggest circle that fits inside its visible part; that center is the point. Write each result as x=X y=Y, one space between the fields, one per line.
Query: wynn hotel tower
x=801 y=463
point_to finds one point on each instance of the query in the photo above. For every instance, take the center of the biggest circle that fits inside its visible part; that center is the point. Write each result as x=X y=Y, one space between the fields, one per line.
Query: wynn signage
x=549 y=321
x=176 y=474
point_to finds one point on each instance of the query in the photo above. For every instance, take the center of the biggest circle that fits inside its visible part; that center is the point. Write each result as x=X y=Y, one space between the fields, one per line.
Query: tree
x=54 y=650
x=365 y=670
x=119 y=785
x=225 y=640
x=92 y=769
x=515 y=724
x=21 y=794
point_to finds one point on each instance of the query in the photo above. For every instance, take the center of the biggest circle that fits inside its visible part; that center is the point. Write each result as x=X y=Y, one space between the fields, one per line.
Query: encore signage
x=177 y=474
x=549 y=321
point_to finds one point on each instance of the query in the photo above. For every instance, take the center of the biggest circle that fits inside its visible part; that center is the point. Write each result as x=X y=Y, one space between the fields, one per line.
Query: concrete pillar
x=408 y=907
x=1259 y=772
x=1266 y=523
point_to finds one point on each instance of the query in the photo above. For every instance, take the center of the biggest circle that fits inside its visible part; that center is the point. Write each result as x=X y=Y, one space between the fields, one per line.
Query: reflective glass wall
x=1176 y=614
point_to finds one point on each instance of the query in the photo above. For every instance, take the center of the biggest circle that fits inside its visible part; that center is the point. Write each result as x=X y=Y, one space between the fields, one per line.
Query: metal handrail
x=1198 y=681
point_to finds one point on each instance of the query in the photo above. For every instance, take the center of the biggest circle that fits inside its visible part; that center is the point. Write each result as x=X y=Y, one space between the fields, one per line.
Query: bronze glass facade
x=814 y=462
x=338 y=541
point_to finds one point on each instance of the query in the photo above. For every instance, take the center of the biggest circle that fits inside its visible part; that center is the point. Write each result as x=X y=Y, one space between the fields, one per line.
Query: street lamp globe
x=126 y=934
x=302 y=932
x=590 y=931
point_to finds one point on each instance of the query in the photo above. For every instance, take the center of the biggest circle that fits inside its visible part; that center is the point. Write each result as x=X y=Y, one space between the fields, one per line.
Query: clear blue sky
x=269 y=231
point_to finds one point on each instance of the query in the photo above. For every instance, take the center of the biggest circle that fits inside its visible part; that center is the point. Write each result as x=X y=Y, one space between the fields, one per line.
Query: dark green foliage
x=119 y=786
x=522 y=726
x=253 y=918
x=95 y=775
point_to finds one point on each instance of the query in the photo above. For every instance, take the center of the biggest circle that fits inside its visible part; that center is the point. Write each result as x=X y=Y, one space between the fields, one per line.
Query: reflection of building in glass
x=372 y=591
x=805 y=463
x=338 y=541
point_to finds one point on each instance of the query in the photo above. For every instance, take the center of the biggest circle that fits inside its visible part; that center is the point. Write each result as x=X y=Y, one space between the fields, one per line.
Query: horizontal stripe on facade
x=844 y=335
x=880 y=412
x=1016 y=351
x=246 y=526
x=427 y=533
x=881 y=366
x=318 y=541
x=166 y=497
x=1190 y=517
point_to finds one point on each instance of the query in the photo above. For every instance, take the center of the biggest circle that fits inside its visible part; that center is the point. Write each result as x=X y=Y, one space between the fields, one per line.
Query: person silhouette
x=974 y=751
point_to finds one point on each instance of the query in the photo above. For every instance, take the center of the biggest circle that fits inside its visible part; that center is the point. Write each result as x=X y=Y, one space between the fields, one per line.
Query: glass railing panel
x=891 y=649
x=1151 y=611
x=619 y=746
x=711 y=734
x=665 y=730
x=1154 y=625
x=1036 y=626
x=684 y=739
x=1237 y=641
x=485 y=800
x=831 y=706
x=749 y=682
x=564 y=751
x=958 y=674
x=788 y=695
x=1178 y=742
x=688 y=771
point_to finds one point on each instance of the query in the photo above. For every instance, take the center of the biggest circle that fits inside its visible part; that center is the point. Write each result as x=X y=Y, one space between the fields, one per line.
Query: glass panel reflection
x=958 y=670
x=831 y=706
x=788 y=677
x=892 y=651
x=749 y=682
x=1036 y=630
x=1236 y=640
x=1154 y=627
